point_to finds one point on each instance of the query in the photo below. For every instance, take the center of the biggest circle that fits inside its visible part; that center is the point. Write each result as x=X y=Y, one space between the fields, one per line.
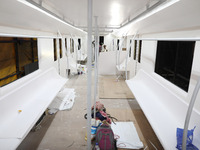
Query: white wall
x=108 y=41
x=45 y=54
x=46 y=57
x=63 y=61
x=149 y=55
x=107 y=63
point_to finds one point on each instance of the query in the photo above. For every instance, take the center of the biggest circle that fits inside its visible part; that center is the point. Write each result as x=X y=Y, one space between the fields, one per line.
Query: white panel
x=180 y=16
x=108 y=41
x=31 y=98
x=109 y=13
x=128 y=136
x=195 y=75
x=63 y=60
x=163 y=108
x=107 y=63
x=148 y=55
x=16 y=14
x=46 y=50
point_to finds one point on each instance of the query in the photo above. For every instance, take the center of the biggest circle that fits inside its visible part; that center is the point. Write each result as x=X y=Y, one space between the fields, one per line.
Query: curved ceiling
x=183 y=15
x=112 y=14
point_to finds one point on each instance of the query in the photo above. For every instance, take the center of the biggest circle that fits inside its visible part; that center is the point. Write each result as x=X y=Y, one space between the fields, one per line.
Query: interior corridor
x=66 y=130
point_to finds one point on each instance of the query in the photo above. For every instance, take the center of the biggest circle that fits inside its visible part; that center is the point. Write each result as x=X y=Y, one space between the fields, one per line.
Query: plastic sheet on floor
x=127 y=137
x=63 y=101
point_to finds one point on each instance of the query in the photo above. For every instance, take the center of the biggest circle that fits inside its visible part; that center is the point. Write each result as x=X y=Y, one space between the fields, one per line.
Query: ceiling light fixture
x=162 y=4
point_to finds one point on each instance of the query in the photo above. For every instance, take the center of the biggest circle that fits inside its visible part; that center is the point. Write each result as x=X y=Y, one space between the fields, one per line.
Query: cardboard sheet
x=128 y=136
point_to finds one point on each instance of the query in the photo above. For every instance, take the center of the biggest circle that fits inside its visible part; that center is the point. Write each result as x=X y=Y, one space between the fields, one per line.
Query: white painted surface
x=31 y=98
x=46 y=54
x=63 y=101
x=148 y=56
x=107 y=62
x=63 y=61
x=16 y=14
x=148 y=59
x=128 y=137
x=110 y=13
x=108 y=41
x=163 y=109
x=180 y=16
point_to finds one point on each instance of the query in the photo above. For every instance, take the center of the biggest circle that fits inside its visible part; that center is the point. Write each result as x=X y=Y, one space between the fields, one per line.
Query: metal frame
x=89 y=75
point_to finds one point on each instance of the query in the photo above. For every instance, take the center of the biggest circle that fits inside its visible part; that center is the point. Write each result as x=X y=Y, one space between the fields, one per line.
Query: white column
x=89 y=74
x=95 y=67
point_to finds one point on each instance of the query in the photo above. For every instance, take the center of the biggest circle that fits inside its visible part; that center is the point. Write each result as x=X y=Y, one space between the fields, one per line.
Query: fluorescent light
x=157 y=9
x=126 y=27
x=46 y=13
x=115 y=13
x=113 y=26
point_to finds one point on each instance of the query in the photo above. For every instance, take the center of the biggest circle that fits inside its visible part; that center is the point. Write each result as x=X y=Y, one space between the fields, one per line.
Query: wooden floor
x=66 y=129
x=113 y=88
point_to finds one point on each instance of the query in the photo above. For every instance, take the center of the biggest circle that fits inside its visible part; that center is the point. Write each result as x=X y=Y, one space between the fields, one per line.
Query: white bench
x=31 y=98
x=121 y=68
x=164 y=110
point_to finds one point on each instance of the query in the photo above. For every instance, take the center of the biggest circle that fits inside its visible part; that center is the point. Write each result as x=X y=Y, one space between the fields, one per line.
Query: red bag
x=99 y=106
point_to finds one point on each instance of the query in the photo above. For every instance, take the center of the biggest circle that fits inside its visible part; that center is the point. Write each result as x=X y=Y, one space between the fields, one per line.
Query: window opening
x=60 y=47
x=101 y=40
x=66 y=43
x=55 y=49
x=135 y=49
x=117 y=44
x=130 y=48
x=174 y=61
x=18 y=58
x=79 y=44
x=72 y=45
x=139 y=51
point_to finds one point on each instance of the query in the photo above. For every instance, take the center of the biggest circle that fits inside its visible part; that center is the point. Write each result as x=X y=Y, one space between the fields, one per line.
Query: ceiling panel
x=109 y=12
x=16 y=14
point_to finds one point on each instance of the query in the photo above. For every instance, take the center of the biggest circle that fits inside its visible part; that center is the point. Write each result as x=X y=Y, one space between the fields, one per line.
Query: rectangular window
x=66 y=43
x=79 y=44
x=72 y=45
x=60 y=47
x=174 y=61
x=135 y=49
x=139 y=51
x=55 y=49
x=130 y=48
x=101 y=40
x=18 y=57
x=117 y=44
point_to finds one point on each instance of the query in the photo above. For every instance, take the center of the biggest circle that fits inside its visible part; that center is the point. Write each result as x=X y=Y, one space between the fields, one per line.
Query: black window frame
x=139 y=51
x=60 y=48
x=55 y=49
x=174 y=61
x=135 y=49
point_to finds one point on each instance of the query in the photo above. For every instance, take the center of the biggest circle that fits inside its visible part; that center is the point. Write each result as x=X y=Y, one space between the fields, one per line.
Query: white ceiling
x=183 y=14
x=111 y=13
